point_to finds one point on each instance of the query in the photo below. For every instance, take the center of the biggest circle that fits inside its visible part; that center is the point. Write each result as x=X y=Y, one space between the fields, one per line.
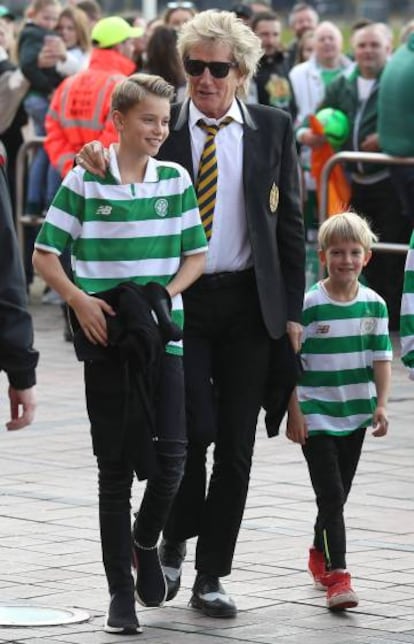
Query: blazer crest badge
x=273 y=198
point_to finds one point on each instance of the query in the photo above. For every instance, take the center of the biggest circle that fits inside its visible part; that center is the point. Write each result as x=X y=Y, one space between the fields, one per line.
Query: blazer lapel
x=250 y=148
x=180 y=136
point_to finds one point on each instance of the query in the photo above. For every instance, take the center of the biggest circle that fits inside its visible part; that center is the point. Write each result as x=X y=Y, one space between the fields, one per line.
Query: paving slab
x=49 y=537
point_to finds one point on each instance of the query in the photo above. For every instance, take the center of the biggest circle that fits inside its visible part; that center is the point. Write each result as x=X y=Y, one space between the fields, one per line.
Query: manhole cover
x=30 y=615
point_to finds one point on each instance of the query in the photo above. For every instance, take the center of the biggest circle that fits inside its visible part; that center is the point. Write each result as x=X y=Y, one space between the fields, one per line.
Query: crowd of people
x=169 y=194
x=54 y=43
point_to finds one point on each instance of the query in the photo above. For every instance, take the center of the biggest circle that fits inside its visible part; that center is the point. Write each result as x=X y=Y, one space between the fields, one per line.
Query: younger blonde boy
x=346 y=356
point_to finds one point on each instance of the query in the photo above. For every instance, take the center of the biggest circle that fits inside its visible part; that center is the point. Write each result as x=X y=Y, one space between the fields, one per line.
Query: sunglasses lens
x=194 y=67
x=219 y=70
x=197 y=67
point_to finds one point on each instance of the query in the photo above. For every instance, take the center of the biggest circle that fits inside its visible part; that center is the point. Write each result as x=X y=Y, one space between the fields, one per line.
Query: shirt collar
x=195 y=115
x=151 y=174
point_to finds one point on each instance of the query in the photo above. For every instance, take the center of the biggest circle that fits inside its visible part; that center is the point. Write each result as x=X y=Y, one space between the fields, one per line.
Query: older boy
x=346 y=357
x=141 y=224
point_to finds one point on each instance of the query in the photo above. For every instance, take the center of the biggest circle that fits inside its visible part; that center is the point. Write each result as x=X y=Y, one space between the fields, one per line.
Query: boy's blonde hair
x=346 y=226
x=135 y=88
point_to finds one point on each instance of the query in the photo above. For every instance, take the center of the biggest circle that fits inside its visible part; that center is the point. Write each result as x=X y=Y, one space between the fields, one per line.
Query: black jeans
x=226 y=354
x=116 y=477
x=332 y=463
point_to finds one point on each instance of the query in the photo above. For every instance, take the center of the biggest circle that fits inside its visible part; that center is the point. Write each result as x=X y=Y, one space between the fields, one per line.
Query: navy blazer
x=270 y=174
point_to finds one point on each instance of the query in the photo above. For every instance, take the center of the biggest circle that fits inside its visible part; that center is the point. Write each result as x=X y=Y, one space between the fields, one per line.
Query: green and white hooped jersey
x=407 y=312
x=119 y=232
x=341 y=342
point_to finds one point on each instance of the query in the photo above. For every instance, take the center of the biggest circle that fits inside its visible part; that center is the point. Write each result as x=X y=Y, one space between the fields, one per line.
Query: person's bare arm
x=295 y=332
x=296 y=429
x=382 y=377
x=89 y=310
x=190 y=270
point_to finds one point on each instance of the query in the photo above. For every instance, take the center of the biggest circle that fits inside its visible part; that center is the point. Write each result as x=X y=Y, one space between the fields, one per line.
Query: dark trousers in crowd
x=379 y=203
x=116 y=473
x=402 y=177
x=332 y=463
x=226 y=354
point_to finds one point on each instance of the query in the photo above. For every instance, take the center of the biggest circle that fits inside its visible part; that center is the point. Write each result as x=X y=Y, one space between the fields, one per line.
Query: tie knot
x=213 y=129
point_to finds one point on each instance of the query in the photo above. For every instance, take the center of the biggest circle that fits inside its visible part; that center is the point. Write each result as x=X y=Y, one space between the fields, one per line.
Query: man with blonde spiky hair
x=243 y=163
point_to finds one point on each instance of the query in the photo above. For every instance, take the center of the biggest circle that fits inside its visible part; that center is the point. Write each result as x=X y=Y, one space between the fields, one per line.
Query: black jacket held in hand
x=18 y=358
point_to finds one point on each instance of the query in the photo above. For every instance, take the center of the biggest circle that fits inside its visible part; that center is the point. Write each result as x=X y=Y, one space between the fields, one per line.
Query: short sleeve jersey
x=342 y=340
x=407 y=312
x=119 y=232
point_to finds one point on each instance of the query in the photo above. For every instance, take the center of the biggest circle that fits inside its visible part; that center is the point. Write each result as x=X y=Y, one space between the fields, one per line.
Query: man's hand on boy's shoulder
x=94 y=158
x=380 y=422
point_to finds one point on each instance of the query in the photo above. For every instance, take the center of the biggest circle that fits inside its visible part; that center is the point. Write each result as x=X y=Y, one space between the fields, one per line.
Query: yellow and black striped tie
x=206 y=186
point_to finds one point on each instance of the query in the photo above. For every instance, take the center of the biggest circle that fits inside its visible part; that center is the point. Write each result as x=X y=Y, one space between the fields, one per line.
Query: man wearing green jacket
x=395 y=120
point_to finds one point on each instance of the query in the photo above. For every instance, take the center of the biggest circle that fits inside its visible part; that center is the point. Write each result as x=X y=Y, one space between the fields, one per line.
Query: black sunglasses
x=216 y=69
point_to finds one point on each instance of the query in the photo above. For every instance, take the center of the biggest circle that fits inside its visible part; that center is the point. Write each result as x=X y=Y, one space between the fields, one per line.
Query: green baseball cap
x=6 y=13
x=113 y=30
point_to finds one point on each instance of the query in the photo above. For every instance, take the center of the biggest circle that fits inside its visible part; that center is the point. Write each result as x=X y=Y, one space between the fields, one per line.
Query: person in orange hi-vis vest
x=80 y=107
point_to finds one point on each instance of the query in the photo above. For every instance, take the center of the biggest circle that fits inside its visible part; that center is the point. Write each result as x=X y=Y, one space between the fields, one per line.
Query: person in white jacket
x=310 y=78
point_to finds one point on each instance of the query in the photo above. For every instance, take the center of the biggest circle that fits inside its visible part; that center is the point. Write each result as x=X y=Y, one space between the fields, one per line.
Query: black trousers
x=402 y=178
x=116 y=475
x=385 y=272
x=226 y=354
x=332 y=463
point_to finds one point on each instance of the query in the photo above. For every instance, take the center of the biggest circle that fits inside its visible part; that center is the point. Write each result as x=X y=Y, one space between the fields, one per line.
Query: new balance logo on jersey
x=104 y=210
x=322 y=329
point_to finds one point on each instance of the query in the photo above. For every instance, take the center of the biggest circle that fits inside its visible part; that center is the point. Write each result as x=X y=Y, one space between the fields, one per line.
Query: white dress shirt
x=229 y=247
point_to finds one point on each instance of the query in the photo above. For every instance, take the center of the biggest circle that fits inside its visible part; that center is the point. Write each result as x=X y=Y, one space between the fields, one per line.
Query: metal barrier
x=366 y=157
x=25 y=150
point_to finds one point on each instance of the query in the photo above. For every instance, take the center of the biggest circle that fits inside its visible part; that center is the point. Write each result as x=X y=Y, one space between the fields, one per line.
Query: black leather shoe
x=121 y=617
x=210 y=597
x=172 y=556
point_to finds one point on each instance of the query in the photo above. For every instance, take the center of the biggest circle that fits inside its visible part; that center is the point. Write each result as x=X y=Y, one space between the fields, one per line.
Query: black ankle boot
x=116 y=554
x=121 y=617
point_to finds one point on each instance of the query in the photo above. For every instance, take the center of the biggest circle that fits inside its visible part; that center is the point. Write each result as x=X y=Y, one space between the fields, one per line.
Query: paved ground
x=49 y=545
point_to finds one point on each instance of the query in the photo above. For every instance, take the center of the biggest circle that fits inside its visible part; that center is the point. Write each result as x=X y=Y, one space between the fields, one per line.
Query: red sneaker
x=317 y=568
x=340 y=594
